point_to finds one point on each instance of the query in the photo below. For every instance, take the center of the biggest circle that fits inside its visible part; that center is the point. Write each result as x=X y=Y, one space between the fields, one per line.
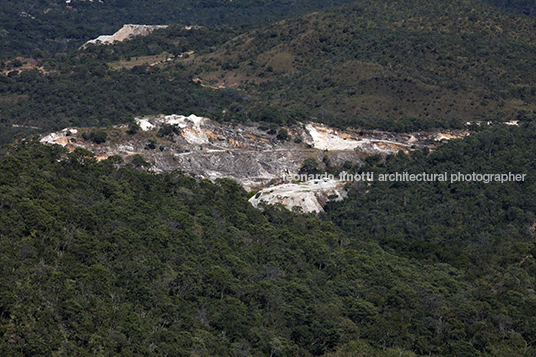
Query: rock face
x=245 y=154
x=310 y=196
x=325 y=138
x=249 y=154
x=126 y=32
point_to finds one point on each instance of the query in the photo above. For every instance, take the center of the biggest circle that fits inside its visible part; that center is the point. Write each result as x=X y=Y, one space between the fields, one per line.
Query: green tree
x=99 y=137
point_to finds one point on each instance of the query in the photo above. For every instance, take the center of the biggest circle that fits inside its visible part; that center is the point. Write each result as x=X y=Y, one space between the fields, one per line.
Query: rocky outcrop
x=126 y=32
x=309 y=196
x=250 y=154
x=325 y=138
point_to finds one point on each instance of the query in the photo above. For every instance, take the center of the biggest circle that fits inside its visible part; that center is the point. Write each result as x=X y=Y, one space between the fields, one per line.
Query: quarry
x=254 y=155
x=126 y=32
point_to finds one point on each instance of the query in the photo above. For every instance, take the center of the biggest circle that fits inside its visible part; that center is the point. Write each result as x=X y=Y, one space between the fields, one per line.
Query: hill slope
x=54 y=26
x=392 y=65
x=101 y=260
x=387 y=61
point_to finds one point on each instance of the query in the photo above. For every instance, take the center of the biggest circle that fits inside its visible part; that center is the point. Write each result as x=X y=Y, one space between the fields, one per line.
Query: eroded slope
x=253 y=155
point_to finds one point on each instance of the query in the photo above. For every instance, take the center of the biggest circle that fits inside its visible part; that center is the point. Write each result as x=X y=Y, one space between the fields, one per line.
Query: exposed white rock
x=124 y=33
x=25 y=126
x=478 y=123
x=100 y=40
x=144 y=124
x=249 y=154
x=412 y=139
x=447 y=136
x=310 y=196
x=190 y=126
x=59 y=137
x=325 y=138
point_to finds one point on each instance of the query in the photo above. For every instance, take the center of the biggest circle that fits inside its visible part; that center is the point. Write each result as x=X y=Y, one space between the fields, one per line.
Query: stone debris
x=307 y=197
x=323 y=137
x=190 y=126
x=446 y=136
x=249 y=154
x=61 y=137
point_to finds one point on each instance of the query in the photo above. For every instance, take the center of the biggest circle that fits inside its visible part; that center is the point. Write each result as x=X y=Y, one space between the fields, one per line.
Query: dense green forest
x=103 y=258
x=525 y=7
x=99 y=260
x=81 y=89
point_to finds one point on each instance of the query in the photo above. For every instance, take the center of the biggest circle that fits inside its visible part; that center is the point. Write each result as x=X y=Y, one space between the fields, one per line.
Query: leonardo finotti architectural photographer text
x=407 y=177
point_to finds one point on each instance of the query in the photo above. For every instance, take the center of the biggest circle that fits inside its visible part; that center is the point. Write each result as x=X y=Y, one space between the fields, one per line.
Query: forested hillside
x=28 y=27
x=525 y=7
x=103 y=258
x=395 y=65
x=390 y=65
x=107 y=261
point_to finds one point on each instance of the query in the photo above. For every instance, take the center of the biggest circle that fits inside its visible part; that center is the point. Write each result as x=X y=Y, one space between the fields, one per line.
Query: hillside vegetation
x=104 y=261
x=388 y=63
x=29 y=27
x=392 y=65
x=103 y=258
